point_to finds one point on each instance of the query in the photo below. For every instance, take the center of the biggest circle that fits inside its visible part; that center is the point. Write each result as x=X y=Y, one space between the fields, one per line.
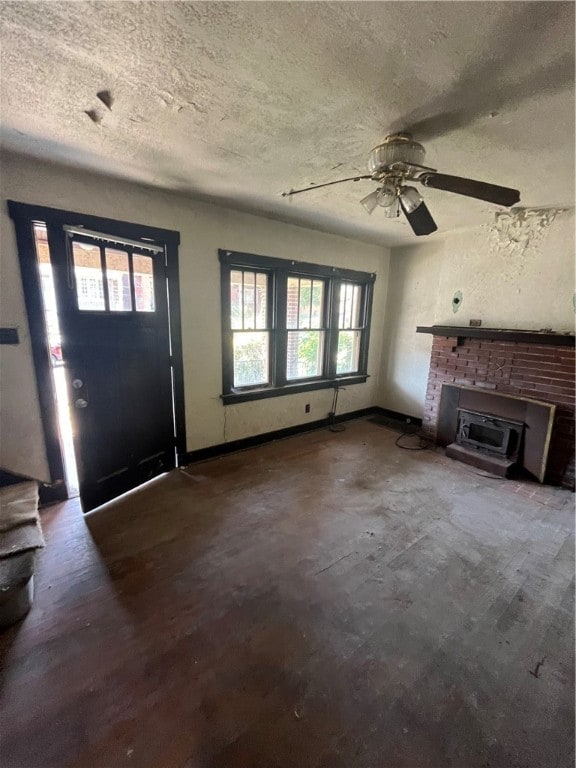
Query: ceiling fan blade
x=327 y=184
x=470 y=188
x=420 y=219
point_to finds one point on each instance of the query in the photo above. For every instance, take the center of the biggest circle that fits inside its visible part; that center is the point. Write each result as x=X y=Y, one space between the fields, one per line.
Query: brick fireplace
x=538 y=366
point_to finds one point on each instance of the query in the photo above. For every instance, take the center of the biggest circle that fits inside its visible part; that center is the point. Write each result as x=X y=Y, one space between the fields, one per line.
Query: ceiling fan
x=398 y=160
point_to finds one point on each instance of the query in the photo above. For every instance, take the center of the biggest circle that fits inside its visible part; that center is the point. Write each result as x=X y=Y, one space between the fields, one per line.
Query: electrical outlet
x=307 y=408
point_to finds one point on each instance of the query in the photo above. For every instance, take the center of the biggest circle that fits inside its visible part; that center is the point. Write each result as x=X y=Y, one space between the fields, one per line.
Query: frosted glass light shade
x=392 y=211
x=386 y=195
x=410 y=198
x=370 y=201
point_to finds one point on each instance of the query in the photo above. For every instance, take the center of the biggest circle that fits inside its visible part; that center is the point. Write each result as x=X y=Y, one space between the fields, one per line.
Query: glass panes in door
x=118 y=278
x=88 y=276
x=143 y=283
x=112 y=279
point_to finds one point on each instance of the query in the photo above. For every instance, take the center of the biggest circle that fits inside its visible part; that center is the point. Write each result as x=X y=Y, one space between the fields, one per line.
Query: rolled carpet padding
x=20 y=529
x=20 y=537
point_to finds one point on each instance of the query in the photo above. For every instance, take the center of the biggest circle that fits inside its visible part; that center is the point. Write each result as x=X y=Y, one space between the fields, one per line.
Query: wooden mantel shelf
x=499 y=334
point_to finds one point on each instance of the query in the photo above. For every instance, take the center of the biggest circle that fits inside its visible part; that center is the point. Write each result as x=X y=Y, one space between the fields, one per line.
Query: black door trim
x=23 y=215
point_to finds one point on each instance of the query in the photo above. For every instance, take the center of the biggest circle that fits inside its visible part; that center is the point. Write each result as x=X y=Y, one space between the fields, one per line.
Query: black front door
x=113 y=314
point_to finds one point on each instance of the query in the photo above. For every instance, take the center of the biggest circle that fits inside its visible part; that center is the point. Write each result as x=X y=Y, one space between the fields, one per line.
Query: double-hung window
x=250 y=325
x=290 y=326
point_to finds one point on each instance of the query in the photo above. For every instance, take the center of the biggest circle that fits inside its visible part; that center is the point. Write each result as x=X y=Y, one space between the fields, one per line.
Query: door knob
x=81 y=403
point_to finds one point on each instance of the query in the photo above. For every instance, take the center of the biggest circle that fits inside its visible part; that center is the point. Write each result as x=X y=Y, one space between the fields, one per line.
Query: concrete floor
x=326 y=601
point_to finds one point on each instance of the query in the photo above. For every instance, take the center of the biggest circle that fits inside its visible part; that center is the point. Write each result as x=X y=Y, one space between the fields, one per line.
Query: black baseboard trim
x=397 y=415
x=213 y=451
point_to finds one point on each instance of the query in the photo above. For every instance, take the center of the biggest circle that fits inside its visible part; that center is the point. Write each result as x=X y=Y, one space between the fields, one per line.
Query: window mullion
x=280 y=333
x=332 y=327
x=104 y=278
x=131 y=280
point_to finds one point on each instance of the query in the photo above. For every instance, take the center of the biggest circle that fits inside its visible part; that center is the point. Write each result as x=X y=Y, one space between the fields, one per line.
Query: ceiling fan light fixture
x=410 y=198
x=386 y=195
x=370 y=201
x=392 y=211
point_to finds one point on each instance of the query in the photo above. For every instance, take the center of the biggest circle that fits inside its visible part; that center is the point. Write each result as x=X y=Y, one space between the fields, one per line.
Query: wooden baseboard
x=202 y=454
x=397 y=415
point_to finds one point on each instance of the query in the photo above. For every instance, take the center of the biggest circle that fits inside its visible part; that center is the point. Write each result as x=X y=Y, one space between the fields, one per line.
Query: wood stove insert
x=487 y=441
x=495 y=432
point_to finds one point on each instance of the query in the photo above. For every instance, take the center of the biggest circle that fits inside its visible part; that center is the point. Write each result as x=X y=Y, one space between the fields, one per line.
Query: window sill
x=244 y=396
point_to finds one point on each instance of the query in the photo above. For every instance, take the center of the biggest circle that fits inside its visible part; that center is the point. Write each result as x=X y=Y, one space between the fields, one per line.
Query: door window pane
x=305 y=350
x=348 y=354
x=251 y=358
x=118 y=277
x=142 y=268
x=88 y=276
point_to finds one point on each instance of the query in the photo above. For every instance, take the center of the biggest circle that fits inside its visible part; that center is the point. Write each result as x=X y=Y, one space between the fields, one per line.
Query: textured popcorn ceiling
x=236 y=102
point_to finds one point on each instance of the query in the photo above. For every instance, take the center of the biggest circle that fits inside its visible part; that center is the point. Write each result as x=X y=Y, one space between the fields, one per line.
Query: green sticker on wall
x=456 y=301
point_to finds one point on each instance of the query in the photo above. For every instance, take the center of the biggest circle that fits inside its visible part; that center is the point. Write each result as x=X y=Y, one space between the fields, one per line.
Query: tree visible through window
x=305 y=324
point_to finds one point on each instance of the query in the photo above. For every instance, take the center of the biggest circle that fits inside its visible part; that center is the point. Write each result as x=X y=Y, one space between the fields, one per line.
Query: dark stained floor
x=327 y=601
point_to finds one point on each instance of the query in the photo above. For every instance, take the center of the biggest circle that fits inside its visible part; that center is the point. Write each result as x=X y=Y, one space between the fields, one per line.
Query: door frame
x=24 y=215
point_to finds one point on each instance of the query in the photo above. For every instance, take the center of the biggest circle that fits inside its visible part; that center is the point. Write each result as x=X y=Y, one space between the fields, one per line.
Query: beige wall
x=203 y=228
x=502 y=286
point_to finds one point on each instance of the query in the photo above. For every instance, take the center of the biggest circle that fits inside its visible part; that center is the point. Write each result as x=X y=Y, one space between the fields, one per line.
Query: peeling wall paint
x=531 y=289
x=520 y=229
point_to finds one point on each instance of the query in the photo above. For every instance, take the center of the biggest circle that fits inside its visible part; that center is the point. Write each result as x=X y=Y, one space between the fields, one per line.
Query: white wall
x=203 y=228
x=502 y=286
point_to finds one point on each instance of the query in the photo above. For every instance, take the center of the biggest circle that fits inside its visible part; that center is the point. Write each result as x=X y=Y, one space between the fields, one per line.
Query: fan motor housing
x=396 y=150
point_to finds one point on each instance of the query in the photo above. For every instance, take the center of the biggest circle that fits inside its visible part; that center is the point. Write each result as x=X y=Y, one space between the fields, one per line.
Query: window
x=127 y=276
x=349 y=328
x=250 y=323
x=305 y=323
x=290 y=327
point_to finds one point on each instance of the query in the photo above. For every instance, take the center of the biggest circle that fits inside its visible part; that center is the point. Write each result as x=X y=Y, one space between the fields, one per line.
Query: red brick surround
x=539 y=371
